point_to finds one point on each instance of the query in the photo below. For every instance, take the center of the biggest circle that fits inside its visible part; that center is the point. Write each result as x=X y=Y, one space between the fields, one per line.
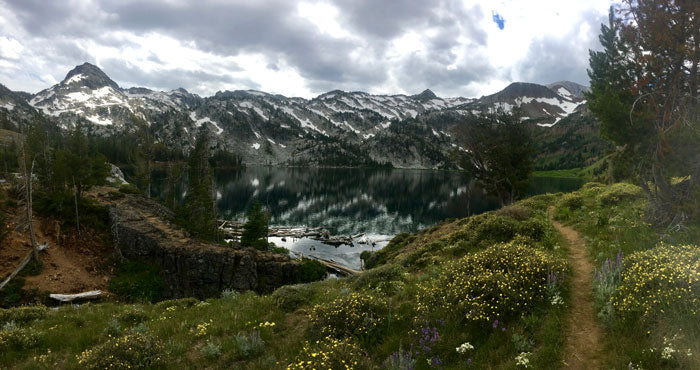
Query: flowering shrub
x=613 y=194
x=201 y=329
x=331 y=353
x=500 y=281
x=357 y=314
x=22 y=314
x=132 y=351
x=658 y=279
x=12 y=336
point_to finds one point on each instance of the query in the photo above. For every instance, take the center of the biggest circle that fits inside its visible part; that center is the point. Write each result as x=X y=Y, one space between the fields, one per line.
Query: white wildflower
x=667 y=353
x=523 y=359
x=462 y=349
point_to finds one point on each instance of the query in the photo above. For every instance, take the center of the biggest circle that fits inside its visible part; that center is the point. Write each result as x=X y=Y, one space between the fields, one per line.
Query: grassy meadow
x=490 y=291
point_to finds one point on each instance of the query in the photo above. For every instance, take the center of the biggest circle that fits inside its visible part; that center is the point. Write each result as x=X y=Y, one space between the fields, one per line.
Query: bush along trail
x=584 y=334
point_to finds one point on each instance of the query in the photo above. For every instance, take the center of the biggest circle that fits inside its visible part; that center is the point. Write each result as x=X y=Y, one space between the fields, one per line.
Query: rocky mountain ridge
x=334 y=128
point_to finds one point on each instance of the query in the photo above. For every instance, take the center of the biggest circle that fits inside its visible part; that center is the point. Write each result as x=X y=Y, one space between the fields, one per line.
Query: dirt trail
x=584 y=334
x=71 y=264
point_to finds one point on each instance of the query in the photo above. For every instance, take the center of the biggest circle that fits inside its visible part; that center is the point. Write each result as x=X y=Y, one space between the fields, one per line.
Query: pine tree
x=644 y=89
x=255 y=229
x=198 y=209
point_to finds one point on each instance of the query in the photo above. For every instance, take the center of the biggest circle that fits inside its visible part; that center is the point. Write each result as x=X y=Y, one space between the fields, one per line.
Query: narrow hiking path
x=583 y=335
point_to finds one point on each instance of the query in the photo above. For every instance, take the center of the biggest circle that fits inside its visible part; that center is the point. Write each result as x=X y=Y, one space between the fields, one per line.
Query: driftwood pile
x=234 y=229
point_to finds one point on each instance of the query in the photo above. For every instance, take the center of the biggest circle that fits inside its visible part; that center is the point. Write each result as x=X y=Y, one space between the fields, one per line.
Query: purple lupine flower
x=469 y=361
x=495 y=324
x=503 y=329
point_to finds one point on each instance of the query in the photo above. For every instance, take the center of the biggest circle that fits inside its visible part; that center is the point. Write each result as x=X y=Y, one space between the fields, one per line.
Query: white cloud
x=10 y=48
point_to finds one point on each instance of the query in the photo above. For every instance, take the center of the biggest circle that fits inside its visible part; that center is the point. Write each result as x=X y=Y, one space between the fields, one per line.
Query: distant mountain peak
x=427 y=94
x=88 y=75
x=574 y=89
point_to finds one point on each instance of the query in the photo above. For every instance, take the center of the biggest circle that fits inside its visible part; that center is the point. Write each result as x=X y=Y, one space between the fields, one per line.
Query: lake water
x=378 y=202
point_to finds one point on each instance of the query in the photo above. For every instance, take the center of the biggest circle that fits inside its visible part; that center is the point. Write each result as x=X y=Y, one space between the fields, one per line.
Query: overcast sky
x=301 y=48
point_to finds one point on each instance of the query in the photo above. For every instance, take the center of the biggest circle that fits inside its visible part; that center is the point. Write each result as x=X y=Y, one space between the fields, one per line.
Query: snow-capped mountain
x=406 y=131
x=545 y=105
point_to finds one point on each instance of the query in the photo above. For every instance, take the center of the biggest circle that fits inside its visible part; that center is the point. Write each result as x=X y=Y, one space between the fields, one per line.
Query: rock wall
x=190 y=267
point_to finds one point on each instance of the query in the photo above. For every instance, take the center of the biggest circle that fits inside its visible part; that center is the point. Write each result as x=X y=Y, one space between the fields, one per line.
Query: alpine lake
x=376 y=203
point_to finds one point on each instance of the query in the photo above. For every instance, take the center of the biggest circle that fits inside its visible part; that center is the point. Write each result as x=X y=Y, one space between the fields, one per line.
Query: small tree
x=496 y=151
x=255 y=229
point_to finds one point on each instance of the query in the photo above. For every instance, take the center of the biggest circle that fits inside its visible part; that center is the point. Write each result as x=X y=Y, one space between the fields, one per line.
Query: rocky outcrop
x=189 y=267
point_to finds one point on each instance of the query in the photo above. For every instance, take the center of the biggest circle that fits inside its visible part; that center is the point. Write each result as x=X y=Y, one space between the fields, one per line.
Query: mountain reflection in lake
x=348 y=201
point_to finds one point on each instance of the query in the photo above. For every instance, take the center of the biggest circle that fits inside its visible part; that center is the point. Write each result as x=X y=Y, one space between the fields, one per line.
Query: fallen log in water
x=93 y=294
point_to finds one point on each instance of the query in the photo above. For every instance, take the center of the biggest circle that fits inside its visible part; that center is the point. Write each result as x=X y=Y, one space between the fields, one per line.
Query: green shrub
x=658 y=280
x=331 y=353
x=311 y=270
x=372 y=278
x=13 y=292
x=615 y=193
x=515 y=211
x=136 y=281
x=22 y=315
x=381 y=256
x=499 y=282
x=132 y=351
x=210 y=350
x=288 y=298
x=132 y=315
x=592 y=185
x=357 y=314
x=537 y=203
x=180 y=303
x=129 y=189
x=535 y=229
x=572 y=201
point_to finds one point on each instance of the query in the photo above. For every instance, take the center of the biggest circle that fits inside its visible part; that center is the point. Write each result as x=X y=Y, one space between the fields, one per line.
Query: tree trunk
x=77 y=217
x=28 y=200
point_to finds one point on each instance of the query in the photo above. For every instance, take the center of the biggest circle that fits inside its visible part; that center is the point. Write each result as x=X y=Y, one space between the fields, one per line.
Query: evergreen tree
x=199 y=209
x=78 y=165
x=497 y=153
x=142 y=155
x=644 y=89
x=255 y=229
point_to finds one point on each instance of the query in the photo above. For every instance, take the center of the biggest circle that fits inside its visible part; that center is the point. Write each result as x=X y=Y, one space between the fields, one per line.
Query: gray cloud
x=60 y=35
x=552 y=59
